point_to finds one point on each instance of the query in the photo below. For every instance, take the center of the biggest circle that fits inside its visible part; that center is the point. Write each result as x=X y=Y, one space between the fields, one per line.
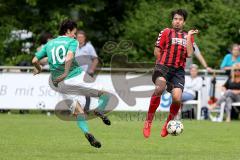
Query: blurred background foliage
x=138 y=21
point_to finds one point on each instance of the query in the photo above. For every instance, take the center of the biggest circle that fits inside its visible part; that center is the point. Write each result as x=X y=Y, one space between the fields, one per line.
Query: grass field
x=37 y=136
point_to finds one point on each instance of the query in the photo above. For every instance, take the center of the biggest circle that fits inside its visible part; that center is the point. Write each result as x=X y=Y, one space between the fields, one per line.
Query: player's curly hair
x=65 y=25
x=181 y=12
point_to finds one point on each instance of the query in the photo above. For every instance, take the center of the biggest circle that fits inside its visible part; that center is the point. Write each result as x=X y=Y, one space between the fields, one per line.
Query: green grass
x=37 y=136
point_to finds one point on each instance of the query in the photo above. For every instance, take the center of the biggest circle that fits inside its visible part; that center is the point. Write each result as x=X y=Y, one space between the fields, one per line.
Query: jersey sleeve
x=41 y=53
x=161 y=39
x=73 y=46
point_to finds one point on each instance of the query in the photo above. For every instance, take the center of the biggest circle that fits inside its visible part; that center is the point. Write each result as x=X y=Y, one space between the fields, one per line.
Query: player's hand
x=55 y=83
x=209 y=69
x=90 y=72
x=193 y=31
x=59 y=79
x=36 y=71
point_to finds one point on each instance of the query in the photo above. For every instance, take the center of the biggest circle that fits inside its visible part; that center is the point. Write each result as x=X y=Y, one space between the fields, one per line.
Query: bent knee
x=159 y=90
x=177 y=100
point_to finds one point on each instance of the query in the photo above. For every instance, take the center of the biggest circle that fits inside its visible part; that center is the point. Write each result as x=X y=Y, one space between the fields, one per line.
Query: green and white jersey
x=56 y=51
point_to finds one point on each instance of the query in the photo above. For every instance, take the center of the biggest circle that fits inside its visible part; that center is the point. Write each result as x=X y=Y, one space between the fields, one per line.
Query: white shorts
x=78 y=87
x=83 y=84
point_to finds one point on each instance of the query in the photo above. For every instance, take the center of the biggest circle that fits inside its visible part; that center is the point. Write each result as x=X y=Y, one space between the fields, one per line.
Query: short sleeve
x=224 y=62
x=41 y=53
x=92 y=51
x=161 y=39
x=226 y=84
x=73 y=46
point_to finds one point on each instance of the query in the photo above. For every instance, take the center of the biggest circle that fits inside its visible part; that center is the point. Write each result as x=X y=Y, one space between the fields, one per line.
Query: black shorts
x=175 y=77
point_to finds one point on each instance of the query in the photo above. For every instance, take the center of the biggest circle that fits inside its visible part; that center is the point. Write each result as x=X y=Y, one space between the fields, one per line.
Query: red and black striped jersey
x=173 y=48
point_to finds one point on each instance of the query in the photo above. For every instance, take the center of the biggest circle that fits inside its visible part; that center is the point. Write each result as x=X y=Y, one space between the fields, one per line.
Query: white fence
x=22 y=90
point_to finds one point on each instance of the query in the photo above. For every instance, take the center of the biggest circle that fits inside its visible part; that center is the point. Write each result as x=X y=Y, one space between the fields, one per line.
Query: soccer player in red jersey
x=172 y=47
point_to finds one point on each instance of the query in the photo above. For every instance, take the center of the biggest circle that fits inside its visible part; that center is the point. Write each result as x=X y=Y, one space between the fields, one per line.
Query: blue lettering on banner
x=166 y=100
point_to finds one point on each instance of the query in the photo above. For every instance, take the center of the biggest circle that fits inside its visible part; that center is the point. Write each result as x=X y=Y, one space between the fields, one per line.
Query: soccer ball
x=175 y=127
x=41 y=105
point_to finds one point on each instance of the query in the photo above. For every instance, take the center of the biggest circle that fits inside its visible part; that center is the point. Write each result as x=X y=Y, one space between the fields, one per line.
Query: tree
x=104 y=20
x=217 y=30
x=36 y=17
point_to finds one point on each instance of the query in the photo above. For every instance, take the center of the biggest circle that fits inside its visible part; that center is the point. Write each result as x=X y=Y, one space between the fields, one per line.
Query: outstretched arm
x=203 y=62
x=37 y=67
x=40 y=55
x=189 y=42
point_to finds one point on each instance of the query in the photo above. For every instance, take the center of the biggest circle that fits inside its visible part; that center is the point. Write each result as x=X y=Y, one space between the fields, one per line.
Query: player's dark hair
x=85 y=35
x=45 y=37
x=65 y=25
x=181 y=12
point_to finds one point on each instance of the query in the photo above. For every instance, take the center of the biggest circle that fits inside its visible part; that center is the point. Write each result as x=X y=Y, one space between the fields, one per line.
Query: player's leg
x=70 y=91
x=160 y=85
x=88 y=99
x=80 y=85
x=174 y=108
x=106 y=100
x=154 y=103
x=82 y=124
x=87 y=106
x=178 y=81
x=103 y=101
x=176 y=103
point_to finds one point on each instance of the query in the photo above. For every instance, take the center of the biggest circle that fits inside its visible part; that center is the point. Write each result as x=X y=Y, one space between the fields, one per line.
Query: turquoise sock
x=82 y=124
x=102 y=102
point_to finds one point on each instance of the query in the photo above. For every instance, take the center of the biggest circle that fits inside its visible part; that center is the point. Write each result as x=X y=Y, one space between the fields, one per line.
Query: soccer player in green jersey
x=67 y=77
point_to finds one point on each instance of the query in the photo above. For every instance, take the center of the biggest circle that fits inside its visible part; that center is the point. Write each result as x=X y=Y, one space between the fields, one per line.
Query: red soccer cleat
x=147 y=129
x=164 y=131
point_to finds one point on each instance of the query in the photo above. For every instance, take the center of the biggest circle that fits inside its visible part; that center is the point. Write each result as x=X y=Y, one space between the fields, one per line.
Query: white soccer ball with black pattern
x=175 y=127
x=41 y=105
